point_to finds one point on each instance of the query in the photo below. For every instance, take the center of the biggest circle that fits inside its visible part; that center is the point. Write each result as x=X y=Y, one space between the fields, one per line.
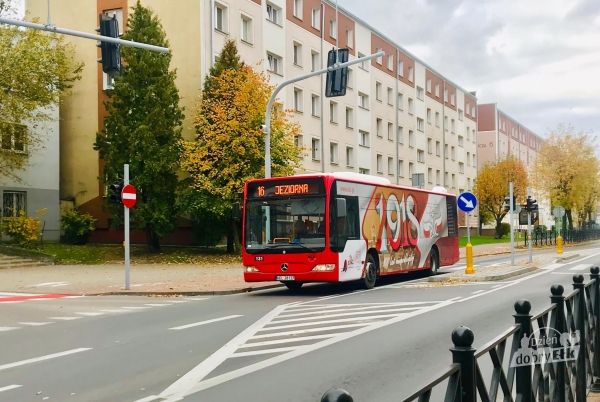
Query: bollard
x=523 y=373
x=579 y=316
x=337 y=395
x=595 y=275
x=469 y=268
x=558 y=323
x=464 y=354
x=559 y=245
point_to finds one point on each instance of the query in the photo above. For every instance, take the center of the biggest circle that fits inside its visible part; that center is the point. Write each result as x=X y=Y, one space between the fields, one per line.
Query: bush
x=22 y=229
x=76 y=226
x=505 y=228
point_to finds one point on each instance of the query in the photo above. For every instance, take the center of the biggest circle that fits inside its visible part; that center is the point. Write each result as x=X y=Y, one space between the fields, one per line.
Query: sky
x=539 y=60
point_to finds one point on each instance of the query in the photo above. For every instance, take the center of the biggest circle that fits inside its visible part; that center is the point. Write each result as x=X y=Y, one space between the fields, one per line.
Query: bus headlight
x=251 y=269
x=324 y=267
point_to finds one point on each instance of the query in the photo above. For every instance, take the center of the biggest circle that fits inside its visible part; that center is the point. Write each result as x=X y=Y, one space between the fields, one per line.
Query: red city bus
x=338 y=227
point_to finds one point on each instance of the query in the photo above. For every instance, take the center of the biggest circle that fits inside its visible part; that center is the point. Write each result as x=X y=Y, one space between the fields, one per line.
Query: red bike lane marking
x=30 y=297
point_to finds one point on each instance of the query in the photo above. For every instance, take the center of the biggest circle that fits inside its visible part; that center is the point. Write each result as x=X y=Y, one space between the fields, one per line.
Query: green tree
x=143 y=128
x=229 y=148
x=567 y=170
x=35 y=69
x=492 y=186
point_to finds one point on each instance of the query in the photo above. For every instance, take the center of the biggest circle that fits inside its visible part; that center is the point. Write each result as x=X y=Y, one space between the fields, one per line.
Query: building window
x=420 y=124
x=446 y=123
x=411 y=169
x=411 y=106
x=400 y=135
x=437 y=177
x=453 y=153
x=364 y=64
x=390 y=132
x=349 y=156
x=401 y=68
x=428 y=85
x=452 y=126
x=297 y=54
x=333 y=153
x=379 y=59
x=460 y=141
x=446 y=151
x=316 y=18
x=430 y=175
x=13 y=202
x=333 y=28
x=299 y=141
x=401 y=168
x=468 y=159
x=273 y=13
x=460 y=114
x=298 y=100
x=12 y=137
x=349 y=117
x=461 y=167
x=363 y=171
x=246 y=31
x=315 y=105
x=349 y=83
x=316 y=149
x=437 y=90
x=390 y=96
x=429 y=146
x=379 y=164
x=446 y=179
x=445 y=95
x=411 y=74
x=333 y=118
x=437 y=119
x=453 y=180
x=420 y=94
x=437 y=148
x=220 y=17
x=298 y=9
x=400 y=102
x=452 y=98
x=350 y=38
x=428 y=116
x=420 y=156
x=275 y=63
x=364 y=138
x=378 y=126
x=314 y=61
x=363 y=100
x=411 y=138
x=378 y=90
x=390 y=166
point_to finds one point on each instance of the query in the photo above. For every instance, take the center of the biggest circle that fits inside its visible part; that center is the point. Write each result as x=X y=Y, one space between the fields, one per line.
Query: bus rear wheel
x=293 y=285
x=370 y=272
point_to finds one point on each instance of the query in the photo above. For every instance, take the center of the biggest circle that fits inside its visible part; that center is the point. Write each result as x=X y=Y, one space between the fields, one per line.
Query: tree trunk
x=230 y=236
x=569 y=218
x=499 y=233
x=152 y=240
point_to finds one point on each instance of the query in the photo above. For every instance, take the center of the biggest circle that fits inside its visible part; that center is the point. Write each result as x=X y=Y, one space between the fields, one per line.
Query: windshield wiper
x=280 y=245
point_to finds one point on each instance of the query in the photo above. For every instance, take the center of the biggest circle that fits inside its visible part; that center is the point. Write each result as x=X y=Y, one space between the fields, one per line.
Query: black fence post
x=559 y=324
x=579 y=309
x=523 y=373
x=337 y=395
x=595 y=275
x=464 y=355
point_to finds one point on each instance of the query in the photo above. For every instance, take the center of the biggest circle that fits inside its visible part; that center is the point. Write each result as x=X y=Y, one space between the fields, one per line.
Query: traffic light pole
x=52 y=28
x=126 y=219
x=512 y=234
x=529 y=212
x=267 y=126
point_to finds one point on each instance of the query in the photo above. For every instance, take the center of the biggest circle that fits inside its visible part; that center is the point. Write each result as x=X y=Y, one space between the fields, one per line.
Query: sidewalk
x=150 y=278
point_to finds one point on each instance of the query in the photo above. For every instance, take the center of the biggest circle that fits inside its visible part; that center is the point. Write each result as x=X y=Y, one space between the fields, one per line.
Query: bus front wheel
x=293 y=285
x=370 y=272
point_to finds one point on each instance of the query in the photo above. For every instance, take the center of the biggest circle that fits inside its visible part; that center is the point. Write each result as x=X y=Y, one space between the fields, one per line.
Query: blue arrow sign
x=466 y=201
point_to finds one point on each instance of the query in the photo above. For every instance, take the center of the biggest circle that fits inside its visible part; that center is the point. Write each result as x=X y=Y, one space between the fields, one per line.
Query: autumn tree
x=492 y=186
x=143 y=128
x=229 y=147
x=36 y=67
x=567 y=171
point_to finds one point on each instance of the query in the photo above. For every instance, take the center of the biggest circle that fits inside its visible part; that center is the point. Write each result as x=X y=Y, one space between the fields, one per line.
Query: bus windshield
x=293 y=224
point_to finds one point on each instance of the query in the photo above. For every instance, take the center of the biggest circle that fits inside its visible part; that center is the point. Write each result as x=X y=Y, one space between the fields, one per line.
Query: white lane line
x=4 y=329
x=135 y=307
x=310 y=330
x=360 y=319
x=195 y=324
x=580 y=267
x=42 y=358
x=51 y=284
x=264 y=351
x=35 y=324
x=156 y=304
x=90 y=314
x=355 y=313
x=64 y=318
x=196 y=298
x=122 y=310
x=9 y=387
x=177 y=301
x=478 y=291
x=284 y=341
x=341 y=309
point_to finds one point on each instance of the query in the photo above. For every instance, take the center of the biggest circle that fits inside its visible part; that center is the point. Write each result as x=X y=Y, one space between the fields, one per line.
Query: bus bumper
x=311 y=276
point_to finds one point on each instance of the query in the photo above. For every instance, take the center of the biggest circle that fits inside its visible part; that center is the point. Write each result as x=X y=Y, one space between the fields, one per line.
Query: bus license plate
x=285 y=278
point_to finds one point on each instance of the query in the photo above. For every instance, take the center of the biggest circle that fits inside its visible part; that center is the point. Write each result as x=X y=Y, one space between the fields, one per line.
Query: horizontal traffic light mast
x=52 y=28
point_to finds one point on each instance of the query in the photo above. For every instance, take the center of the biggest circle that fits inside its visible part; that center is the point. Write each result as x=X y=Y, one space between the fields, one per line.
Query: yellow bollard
x=469 y=269
x=559 y=244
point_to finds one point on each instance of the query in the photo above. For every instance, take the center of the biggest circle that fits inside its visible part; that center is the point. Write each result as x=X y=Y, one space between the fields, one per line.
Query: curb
x=186 y=293
x=490 y=278
x=567 y=258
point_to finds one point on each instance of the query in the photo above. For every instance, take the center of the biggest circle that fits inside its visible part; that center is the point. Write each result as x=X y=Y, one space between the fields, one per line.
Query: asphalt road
x=266 y=346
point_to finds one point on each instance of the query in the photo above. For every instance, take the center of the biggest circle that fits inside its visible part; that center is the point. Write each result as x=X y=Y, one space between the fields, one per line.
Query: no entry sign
x=129 y=196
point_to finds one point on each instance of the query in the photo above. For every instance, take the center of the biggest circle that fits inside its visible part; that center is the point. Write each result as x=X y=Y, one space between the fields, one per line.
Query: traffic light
x=506 y=205
x=335 y=84
x=114 y=192
x=531 y=204
x=111 y=56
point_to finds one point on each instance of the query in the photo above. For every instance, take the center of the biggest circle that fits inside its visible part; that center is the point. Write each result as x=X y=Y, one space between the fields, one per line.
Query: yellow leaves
x=492 y=183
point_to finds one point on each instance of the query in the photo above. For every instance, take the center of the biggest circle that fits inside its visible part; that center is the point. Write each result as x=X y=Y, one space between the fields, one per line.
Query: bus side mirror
x=341 y=207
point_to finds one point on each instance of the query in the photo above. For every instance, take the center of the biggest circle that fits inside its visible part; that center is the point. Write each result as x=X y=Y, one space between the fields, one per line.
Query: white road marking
x=284 y=341
x=478 y=291
x=35 y=324
x=135 y=307
x=9 y=387
x=12 y=301
x=308 y=324
x=320 y=317
x=123 y=310
x=196 y=324
x=51 y=284
x=42 y=358
x=90 y=314
x=264 y=351
x=156 y=304
x=335 y=310
x=580 y=267
x=177 y=301
x=4 y=329
x=64 y=318
x=307 y=331
x=196 y=298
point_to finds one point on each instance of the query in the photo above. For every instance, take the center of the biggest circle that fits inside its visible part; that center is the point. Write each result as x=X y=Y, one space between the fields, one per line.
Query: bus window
x=346 y=227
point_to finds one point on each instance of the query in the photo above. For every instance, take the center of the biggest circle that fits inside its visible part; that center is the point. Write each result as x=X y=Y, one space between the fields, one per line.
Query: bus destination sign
x=286 y=188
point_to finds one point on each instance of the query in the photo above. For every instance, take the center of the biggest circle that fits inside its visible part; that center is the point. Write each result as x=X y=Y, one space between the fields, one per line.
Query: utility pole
x=512 y=234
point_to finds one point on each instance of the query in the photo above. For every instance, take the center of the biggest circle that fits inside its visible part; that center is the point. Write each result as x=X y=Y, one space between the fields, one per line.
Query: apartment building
x=399 y=119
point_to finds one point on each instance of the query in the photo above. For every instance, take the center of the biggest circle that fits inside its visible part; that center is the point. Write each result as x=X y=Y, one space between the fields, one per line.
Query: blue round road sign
x=466 y=201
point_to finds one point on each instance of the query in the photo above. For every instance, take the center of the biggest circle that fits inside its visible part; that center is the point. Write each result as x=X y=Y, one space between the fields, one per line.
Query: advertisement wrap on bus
x=341 y=227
